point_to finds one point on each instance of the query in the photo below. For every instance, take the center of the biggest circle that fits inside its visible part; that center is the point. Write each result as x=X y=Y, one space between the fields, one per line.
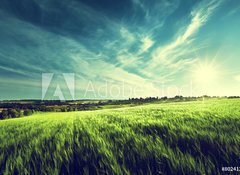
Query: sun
x=205 y=73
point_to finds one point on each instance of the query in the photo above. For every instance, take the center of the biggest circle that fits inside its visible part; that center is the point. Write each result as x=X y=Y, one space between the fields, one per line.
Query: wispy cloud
x=59 y=54
x=169 y=54
x=233 y=11
x=132 y=41
x=147 y=42
x=127 y=36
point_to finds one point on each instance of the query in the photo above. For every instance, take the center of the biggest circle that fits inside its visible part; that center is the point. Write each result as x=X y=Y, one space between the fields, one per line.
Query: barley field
x=198 y=137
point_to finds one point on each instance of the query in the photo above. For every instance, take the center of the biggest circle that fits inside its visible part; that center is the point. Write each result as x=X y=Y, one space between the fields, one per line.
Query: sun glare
x=205 y=73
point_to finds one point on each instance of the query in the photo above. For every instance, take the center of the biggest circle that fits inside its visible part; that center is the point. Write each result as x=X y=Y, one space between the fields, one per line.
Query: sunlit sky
x=120 y=49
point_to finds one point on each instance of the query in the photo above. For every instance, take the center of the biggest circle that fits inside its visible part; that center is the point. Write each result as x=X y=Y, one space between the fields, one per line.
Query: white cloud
x=146 y=44
x=126 y=59
x=128 y=36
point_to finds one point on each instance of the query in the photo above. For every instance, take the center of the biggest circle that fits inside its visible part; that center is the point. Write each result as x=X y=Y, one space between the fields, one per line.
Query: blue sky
x=120 y=49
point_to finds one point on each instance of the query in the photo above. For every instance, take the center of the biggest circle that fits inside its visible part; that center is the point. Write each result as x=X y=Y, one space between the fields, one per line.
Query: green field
x=173 y=138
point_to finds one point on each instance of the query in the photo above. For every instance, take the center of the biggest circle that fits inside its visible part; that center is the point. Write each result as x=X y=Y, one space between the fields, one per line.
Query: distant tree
x=178 y=97
x=69 y=108
x=206 y=96
x=100 y=102
x=13 y=113
x=109 y=101
x=27 y=112
x=164 y=98
x=5 y=114
x=63 y=109
x=234 y=97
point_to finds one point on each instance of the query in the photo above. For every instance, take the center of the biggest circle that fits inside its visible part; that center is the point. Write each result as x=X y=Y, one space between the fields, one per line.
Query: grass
x=174 y=138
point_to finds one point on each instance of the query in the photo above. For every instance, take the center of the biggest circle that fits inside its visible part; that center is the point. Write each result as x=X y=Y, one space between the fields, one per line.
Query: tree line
x=15 y=109
x=15 y=113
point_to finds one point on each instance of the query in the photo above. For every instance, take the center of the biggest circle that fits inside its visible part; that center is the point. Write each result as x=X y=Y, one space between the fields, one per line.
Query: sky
x=92 y=49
